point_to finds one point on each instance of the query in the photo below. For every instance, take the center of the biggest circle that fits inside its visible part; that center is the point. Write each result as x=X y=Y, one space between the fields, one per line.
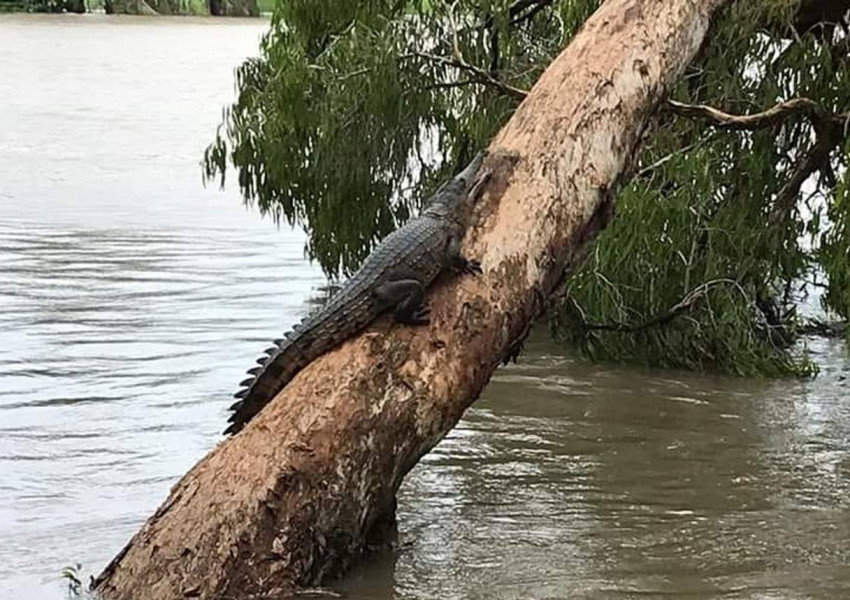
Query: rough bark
x=293 y=498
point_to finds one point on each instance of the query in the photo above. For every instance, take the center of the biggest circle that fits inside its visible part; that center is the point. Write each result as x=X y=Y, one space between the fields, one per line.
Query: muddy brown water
x=132 y=299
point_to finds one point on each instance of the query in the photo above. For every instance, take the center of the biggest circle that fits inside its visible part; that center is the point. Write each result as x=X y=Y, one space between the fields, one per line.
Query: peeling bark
x=293 y=498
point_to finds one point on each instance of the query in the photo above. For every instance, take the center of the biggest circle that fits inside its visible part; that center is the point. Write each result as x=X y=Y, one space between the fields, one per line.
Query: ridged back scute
x=417 y=250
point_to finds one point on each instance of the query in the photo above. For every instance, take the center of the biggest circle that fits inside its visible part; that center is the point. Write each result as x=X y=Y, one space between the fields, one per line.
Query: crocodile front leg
x=458 y=263
x=406 y=296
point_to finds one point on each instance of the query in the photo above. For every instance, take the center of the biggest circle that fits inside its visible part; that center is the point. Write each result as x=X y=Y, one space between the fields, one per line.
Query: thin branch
x=829 y=129
x=821 y=119
x=816 y=12
x=643 y=172
x=455 y=42
x=815 y=159
x=355 y=73
x=494 y=52
x=840 y=50
x=677 y=309
x=450 y=84
x=513 y=11
x=481 y=75
x=535 y=8
x=768 y=118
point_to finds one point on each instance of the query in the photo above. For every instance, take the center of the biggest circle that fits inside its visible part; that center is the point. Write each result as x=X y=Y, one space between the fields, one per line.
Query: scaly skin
x=393 y=277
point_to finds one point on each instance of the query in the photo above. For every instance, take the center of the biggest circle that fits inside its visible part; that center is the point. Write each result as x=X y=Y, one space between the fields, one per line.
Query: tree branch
x=294 y=498
x=768 y=118
x=536 y=7
x=829 y=129
x=824 y=14
x=644 y=171
x=515 y=10
x=481 y=76
x=677 y=309
x=450 y=84
x=494 y=52
x=816 y=159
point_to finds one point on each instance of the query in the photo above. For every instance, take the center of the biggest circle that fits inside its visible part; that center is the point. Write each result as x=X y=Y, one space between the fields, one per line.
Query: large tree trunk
x=295 y=496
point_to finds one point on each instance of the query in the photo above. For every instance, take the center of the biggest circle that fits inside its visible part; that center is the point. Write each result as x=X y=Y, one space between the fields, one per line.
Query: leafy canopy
x=354 y=111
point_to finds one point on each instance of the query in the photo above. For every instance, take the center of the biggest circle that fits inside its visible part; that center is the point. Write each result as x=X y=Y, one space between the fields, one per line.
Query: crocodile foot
x=420 y=316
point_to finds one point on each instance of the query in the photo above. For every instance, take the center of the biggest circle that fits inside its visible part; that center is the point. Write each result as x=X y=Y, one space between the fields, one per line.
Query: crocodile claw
x=421 y=316
x=472 y=267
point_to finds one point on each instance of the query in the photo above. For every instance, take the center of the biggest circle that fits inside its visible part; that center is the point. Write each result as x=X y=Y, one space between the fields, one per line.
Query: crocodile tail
x=276 y=368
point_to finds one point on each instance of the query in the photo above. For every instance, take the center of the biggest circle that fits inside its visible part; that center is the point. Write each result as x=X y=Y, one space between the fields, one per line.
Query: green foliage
x=706 y=209
x=42 y=6
x=163 y=7
x=834 y=251
x=355 y=110
x=12 y=6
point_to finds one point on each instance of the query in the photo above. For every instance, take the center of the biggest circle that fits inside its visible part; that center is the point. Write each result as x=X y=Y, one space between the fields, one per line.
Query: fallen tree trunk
x=297 y=495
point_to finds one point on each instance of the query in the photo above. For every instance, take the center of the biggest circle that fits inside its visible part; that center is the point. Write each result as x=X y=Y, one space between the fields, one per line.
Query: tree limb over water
x=798 y=107
x=830 y=130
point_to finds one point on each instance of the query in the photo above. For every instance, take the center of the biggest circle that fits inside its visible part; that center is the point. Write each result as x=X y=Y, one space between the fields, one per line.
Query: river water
x=132 y=299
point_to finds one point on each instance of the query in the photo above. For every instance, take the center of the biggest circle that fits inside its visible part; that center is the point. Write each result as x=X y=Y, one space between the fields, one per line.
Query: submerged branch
x=828 y=329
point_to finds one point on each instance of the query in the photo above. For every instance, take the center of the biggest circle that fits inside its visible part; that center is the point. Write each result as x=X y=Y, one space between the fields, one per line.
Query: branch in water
x=829 y=329
x=659 y=320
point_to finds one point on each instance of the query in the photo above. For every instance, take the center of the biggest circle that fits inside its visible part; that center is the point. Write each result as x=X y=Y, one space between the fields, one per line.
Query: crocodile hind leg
x=406 y=296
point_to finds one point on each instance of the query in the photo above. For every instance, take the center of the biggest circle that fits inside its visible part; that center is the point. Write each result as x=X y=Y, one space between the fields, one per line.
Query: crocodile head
x=448 y=201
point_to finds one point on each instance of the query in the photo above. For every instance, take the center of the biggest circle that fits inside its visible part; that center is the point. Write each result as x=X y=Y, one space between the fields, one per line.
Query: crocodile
x=393 y=278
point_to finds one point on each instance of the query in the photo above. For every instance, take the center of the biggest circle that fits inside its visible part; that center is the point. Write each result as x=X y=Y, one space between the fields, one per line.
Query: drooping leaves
x=354 y=111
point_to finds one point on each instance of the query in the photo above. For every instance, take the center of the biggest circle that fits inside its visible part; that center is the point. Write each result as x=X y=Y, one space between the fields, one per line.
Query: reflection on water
x=132 y=300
